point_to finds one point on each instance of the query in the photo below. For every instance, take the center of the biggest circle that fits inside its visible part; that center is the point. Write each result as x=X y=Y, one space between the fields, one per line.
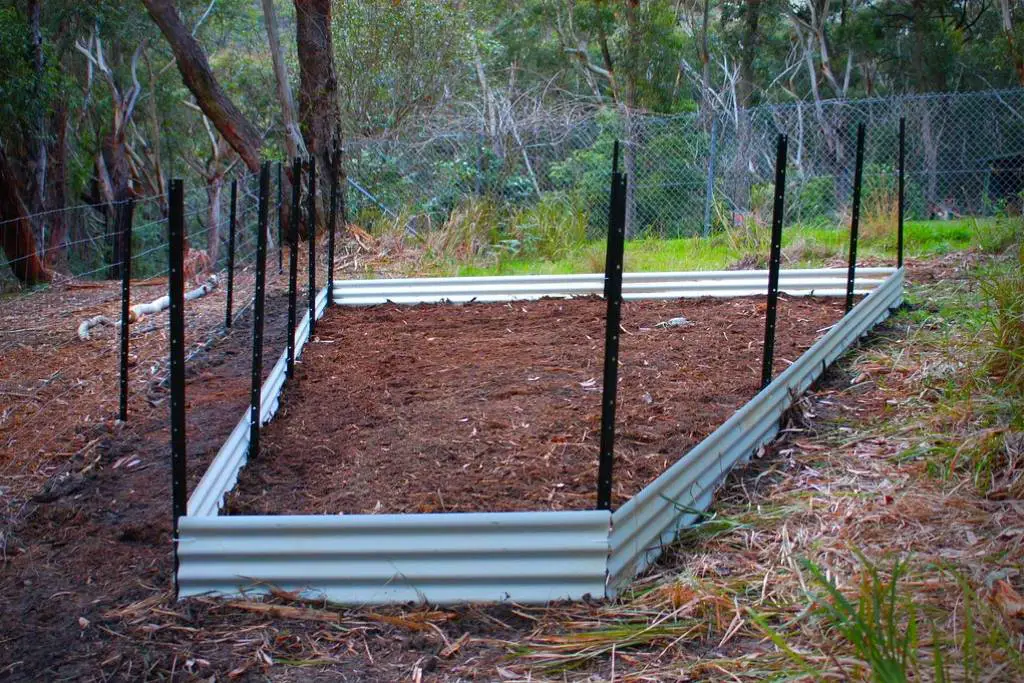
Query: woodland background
x=424 y=104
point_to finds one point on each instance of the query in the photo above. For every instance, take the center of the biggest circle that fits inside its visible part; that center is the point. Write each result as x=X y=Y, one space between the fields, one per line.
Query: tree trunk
x=705 y=68
x=58 y=156
x=632 y=135
x=214 y=188
x=118 y=178
x=751 y=39
x=744 y=95
x=19 y=242
x=292 y=136
x=37 y=161
x=293 y=142
x=156 y=154
x=930 y=147
x=199 y=79
x=1006 y=16
x=319 y=111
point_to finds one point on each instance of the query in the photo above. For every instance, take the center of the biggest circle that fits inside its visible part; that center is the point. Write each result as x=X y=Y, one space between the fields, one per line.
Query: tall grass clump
x=997 y=235
x=879 y=216
x=551 y=229
x=879 y=622
x=1004 y=295
x=466 y=236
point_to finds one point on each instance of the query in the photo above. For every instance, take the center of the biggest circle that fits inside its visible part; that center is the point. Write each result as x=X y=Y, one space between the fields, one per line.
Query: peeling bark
x=319 y=111
x=58 y=157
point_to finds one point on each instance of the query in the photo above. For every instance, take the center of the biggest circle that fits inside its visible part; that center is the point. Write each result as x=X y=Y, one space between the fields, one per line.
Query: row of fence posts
x=613 y=283
x=612 y=292
x=176 y=285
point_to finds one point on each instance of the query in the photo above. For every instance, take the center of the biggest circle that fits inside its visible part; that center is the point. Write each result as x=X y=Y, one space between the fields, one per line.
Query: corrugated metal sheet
x=221 y=475
x=651 y=518
x=530 y=557
x=525 y=557
x=819 y=281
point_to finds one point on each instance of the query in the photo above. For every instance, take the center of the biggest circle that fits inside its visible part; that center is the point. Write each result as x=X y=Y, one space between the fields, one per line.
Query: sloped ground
x=872 y=465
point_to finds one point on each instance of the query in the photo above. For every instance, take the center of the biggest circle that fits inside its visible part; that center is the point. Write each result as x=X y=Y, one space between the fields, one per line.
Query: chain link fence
x=90 y=249
x=691 y=174
x=688 y=174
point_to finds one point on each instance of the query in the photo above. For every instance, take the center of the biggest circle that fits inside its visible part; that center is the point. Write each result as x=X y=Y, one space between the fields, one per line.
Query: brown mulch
x=84 y=499
x=497 y=407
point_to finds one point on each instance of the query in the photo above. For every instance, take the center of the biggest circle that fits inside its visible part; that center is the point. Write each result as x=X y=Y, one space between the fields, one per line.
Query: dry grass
x=879 y=213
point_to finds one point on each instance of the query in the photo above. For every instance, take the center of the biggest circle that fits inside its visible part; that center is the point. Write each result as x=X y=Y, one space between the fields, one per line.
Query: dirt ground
x=84 y=498
x=497 y=407
x=85 y=525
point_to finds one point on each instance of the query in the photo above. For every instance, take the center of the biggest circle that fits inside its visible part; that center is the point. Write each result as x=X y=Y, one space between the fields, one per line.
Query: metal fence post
x=293 y=262
x=127 y=211
x=332 y=224
x=899 y=200
x=710 y=189
x=858 y=174
x=311 y=229
x=774 y=260
x=613 y=295
x=257 y=312
x=176 y=294
x=231 y=252
x=280 y=220
x=613 y=213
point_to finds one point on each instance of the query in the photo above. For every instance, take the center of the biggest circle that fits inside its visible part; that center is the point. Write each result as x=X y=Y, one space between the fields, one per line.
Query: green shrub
x=815 y=200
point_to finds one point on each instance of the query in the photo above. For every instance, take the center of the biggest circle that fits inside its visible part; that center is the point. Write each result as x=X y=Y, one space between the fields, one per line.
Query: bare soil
x=497 y=407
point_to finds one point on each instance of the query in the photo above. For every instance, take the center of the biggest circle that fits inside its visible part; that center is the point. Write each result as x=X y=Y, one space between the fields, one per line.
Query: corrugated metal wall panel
x=651 y=518
x=527 y=557
x=221 y=475
x=822 y=282
x=530 y=557
x=883 y=271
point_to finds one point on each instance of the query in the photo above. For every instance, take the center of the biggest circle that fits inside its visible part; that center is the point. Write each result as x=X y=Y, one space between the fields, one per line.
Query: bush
x=815 y=200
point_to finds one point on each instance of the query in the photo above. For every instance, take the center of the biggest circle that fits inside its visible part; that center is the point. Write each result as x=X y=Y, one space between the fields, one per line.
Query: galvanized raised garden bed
x=528 y=557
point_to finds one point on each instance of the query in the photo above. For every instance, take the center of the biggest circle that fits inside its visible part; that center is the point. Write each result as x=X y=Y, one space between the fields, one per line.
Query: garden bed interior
x=496 y=407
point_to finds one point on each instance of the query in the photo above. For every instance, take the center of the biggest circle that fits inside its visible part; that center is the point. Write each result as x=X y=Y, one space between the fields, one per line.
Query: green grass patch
x=803 y=246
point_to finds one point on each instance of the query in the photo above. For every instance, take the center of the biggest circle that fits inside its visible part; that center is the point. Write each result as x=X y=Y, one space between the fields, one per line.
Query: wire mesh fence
x=691 y=173
x=89 y=248
x=688 y=174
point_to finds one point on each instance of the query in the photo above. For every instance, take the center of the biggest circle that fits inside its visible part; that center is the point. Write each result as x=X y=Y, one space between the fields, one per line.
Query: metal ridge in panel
x=883 y=271
x=528 y=557
x=821 y=282
x=222 y=473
